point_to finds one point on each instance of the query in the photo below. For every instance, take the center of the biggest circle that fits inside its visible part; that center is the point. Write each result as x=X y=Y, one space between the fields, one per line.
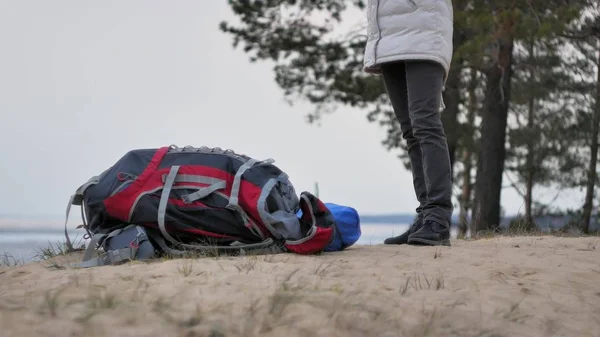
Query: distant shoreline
x=13 y=224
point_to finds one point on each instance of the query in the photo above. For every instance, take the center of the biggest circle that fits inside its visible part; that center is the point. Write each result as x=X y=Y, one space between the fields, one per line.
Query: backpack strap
x=268 y=246
x=215 y=185
x=164 y=199
x=68 y=240
x=235 y=186
x=204 y=192
x=77 y=199
x=235 y=190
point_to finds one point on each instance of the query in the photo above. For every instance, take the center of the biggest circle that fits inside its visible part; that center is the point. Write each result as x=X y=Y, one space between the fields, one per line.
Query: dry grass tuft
x=51 y=302
x=437 y=254
x=323 y=269
x=420 y=282
x=186 y=267
x=8 y=260
x=246 y=264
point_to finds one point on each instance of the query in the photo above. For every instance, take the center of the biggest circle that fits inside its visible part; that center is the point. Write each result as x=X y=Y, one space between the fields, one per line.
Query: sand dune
x=524 y=286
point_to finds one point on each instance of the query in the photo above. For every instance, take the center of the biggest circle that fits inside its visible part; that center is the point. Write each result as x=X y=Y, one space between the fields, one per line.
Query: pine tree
x=469 y=154
x=585 y=36
x=542 y=118
x=511 y=23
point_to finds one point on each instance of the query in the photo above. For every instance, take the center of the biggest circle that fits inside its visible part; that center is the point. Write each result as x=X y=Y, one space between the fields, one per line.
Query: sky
x=83 y=82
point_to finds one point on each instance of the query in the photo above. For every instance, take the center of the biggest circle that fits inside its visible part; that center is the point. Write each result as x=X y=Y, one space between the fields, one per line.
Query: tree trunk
x=529 y=164
x=465 y=198
x=451 y=97
x=591 y=174
x=492 y=151
x=530 y=169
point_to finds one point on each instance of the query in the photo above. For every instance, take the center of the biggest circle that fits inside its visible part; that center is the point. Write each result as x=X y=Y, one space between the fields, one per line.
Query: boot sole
x=429 y=242
x=394 y=243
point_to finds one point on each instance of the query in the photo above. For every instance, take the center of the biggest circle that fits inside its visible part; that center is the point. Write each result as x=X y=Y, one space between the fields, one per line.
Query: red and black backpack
x=204 y=198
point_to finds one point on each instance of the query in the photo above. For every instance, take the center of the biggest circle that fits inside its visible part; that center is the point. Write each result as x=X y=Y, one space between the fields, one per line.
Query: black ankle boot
x=402 y=239
x=430 y=233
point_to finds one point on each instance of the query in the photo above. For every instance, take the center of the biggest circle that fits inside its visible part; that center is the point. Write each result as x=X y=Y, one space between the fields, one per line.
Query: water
x=374 y=234
x=25 y=245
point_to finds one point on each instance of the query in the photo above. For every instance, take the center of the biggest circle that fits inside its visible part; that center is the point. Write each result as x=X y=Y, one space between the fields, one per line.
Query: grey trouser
x=415 y=89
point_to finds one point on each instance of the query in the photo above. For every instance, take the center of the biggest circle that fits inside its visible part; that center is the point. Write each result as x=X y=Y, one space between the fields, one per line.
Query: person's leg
x=425 y=81
x=394 y=77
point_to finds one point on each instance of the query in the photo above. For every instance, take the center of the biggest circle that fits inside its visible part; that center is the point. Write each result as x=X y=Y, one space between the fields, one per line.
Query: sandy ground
x=523 y=286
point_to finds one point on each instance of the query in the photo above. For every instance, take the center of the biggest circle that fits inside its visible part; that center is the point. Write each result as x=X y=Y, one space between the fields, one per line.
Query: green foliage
x=308 y=62
x=538 y=137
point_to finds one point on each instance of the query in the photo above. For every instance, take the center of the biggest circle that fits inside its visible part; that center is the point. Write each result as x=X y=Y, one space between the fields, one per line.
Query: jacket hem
x=376 y=69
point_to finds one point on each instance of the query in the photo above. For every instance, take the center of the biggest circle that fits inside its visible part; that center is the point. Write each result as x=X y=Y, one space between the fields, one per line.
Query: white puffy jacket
x=408 y=29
